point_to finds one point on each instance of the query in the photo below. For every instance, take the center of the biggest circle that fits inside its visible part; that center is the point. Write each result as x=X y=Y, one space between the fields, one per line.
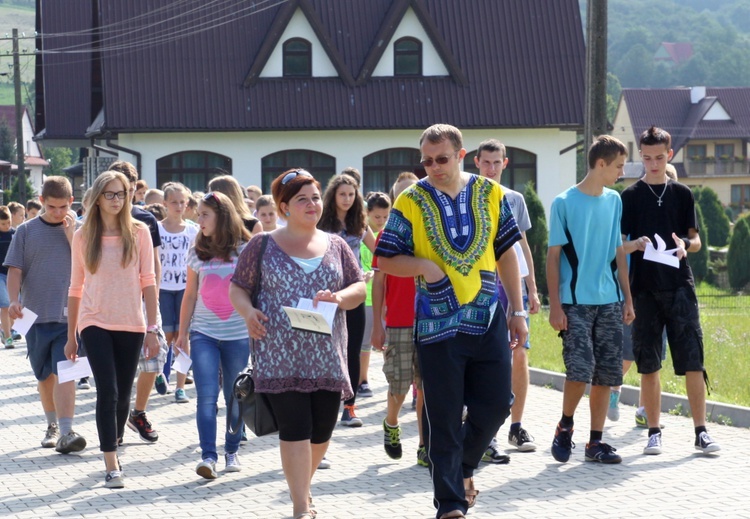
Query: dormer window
x=297 y=58
x=407 y=57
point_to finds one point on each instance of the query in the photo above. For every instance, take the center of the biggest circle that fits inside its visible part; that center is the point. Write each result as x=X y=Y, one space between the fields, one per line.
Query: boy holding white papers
x=38 y=264
x=664 y=295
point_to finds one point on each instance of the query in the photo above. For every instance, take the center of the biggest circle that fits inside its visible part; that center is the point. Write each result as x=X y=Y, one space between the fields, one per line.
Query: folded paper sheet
x=68 y=370
x=318 y=319
x=660 y=254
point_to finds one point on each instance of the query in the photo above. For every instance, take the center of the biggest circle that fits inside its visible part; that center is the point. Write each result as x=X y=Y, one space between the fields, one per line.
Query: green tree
x=716 y=220
x=699 y=260
x=738 y=258
x=636 y=68
x=58 y=159
x=7 y=146
x=537 y=237
x=12 y=194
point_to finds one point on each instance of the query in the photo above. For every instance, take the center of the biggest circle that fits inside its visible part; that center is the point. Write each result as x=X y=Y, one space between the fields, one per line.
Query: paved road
x=363 y=482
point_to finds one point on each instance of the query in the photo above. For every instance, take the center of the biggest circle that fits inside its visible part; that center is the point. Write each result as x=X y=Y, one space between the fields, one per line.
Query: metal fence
x=716 y=299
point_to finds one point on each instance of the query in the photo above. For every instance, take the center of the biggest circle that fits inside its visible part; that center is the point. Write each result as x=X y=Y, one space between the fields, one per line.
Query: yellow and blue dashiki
x=464 y=236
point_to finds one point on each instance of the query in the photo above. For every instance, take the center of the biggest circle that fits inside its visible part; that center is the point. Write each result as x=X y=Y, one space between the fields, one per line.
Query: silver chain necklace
x=658 y=197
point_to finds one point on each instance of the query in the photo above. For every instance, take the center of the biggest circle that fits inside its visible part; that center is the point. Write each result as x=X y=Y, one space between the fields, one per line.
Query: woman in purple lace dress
x=304 y=374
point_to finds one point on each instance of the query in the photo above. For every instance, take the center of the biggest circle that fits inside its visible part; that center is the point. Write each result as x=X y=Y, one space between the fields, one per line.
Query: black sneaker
x=704 y=443
x=140 y=424
x=71 y=442
x=563 y=444
x=521 y=440
x=392 y=441
x=364 y=390
x=601 y=452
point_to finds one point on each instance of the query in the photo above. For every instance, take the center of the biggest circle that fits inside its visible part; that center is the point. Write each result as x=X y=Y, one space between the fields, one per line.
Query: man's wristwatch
x=520 y=313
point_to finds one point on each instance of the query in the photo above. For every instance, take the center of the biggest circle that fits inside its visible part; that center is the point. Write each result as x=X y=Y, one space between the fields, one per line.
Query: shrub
x=738 y=258
x=716 y=220
x=699 y=260
x=537 y=237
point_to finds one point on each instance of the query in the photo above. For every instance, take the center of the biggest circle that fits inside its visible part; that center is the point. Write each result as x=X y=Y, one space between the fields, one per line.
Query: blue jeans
x=208 y=355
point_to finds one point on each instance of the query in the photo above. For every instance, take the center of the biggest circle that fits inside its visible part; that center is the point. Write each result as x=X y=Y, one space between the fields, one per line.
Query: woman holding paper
x=112 y=269
x=304 y=374
x=217 y=334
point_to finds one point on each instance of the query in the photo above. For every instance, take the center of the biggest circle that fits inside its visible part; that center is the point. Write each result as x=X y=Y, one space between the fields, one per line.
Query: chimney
x=697 y=94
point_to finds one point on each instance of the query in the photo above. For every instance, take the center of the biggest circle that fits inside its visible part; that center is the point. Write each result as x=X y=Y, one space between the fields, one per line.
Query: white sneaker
x=704 y=443
x=654 y=444
x=206 y=469
x=325 y=463
x=233 y=462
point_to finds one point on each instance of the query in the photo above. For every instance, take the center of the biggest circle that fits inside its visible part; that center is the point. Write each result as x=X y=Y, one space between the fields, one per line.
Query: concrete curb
x=718 y=412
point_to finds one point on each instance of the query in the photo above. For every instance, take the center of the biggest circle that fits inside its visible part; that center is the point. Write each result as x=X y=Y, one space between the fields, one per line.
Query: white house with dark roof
x=185 y=93
x=710 y=130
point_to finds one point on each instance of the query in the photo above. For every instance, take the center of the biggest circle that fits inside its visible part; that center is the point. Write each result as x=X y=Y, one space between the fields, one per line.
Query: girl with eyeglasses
x=112 y=270
x=303 y=374
x=211 y=331
x=344 y=215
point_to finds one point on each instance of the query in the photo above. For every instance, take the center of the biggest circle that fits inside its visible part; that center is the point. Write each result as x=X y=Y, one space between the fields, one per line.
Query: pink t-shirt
x=111 y=297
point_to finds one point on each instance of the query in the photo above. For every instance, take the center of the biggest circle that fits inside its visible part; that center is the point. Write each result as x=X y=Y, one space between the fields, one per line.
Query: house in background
x=34 y=162
x=710 y=130
x=672 y=54
x=186 y=92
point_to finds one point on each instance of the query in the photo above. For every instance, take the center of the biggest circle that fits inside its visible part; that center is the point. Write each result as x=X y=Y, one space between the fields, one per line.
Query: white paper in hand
x=68 y=370
x=660 y=254
x=23 y=324
x=318 y=319
x=182 y=363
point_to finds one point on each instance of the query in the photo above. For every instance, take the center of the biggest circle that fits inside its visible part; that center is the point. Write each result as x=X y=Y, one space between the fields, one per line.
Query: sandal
x=310 y=514
x=453 y=514
x=471 y=493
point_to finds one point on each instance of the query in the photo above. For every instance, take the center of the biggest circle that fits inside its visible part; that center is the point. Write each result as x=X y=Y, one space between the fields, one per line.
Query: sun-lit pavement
x=363 y=482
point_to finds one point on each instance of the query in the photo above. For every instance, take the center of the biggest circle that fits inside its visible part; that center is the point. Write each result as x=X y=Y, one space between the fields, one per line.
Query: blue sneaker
x=161 y=384
x=563 y=444
x=601 y=452
x=180 y=397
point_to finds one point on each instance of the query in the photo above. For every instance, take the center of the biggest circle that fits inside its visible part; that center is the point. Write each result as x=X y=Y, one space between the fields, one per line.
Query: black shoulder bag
x=255 y=410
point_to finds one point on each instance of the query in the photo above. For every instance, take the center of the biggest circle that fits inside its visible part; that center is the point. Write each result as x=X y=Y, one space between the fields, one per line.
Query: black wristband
x=687 y=243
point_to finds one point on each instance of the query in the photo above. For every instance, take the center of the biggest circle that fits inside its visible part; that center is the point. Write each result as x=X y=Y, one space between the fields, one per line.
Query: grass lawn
x=727 y=356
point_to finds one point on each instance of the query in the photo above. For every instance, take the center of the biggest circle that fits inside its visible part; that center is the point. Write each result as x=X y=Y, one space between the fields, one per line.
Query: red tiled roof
x=523 y=66
x=679 y=52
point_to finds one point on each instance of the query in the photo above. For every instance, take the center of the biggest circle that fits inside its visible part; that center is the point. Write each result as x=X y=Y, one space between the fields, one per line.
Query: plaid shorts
x=156 y=364
x=400 y=361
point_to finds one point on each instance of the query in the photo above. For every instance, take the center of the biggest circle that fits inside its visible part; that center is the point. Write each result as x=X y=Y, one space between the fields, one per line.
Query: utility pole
x=596 y=73
x=19 y=121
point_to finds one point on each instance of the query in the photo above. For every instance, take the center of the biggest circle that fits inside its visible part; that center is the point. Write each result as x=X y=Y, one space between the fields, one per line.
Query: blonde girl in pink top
x=112 y=269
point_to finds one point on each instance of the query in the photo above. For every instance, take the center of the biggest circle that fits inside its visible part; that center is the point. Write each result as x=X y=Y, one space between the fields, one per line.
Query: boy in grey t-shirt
x=38 y=262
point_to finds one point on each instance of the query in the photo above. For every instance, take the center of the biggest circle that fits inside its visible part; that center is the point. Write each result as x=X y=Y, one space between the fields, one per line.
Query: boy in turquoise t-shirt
x=588 y=280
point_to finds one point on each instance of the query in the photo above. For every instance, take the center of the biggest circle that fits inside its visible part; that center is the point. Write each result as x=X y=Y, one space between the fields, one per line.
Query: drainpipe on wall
x=138 y=155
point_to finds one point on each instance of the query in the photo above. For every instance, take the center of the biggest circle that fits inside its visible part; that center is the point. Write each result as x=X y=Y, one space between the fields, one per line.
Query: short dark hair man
x=453 y=231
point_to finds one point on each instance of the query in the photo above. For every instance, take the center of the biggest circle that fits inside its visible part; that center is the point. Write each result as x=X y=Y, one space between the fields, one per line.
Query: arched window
x=297 y=58
x=521 y=168
x=192 y=168
x=381 y=169
x=322 y=166
x=407 y=57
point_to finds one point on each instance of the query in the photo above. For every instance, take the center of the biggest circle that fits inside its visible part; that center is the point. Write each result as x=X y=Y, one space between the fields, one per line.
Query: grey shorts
x=592 y=344
x=366 y=338
x=400 y=361
x=156 y=364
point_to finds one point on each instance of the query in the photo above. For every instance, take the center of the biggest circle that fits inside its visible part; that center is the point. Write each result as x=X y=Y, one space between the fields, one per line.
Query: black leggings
x=305 y=416
x=355 y=327
x=113 y=356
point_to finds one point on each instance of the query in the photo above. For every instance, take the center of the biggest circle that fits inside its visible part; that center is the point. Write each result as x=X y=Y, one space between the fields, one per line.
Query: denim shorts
x=45 y=344
x=4 y=299
x=170 y=302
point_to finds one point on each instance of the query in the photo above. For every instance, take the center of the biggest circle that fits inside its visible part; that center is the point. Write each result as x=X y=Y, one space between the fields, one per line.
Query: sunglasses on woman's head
x=293 y=174
x=209 y=196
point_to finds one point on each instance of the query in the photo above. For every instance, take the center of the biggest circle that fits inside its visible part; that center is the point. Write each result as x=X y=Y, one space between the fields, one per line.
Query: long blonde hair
x=229 y=186
x=93 y=227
